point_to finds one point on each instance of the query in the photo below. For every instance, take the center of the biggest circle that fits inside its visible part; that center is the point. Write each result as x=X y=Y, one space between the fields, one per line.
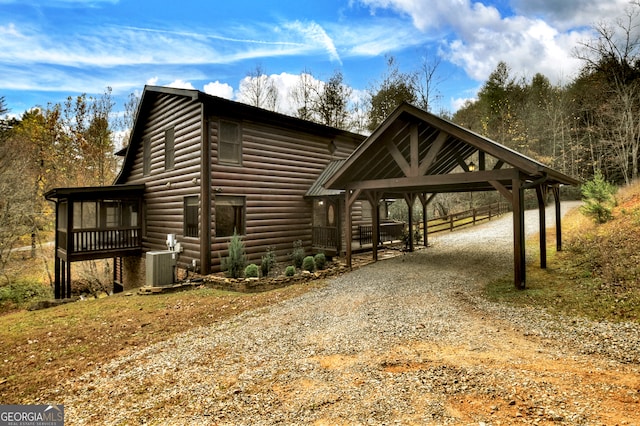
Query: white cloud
x=478 y=36
x=222 y=90
x=180 y=84
x=153 y=81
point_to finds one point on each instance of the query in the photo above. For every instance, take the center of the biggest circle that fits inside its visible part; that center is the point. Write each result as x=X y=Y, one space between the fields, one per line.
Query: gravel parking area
x=406 y=340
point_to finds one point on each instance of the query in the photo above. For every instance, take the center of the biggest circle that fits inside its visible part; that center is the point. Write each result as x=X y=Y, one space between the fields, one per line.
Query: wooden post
x=540 y=194
x=556 y=197
x=350 y=197
x=348 y=230
x=373 y=198
x=519 y=264
x=410 y=200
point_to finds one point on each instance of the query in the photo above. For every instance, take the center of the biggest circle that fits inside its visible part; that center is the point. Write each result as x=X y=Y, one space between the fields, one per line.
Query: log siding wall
x=278 y=167
x=166 y=189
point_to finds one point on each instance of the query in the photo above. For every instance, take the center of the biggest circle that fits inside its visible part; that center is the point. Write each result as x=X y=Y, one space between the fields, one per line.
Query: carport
x=416 y=155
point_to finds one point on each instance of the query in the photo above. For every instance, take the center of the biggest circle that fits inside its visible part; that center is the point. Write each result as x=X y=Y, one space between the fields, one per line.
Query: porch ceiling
x=415 y=151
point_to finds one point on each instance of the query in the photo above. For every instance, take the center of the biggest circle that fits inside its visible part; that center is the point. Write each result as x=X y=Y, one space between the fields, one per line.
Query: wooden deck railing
x=96 y=240
x=391 y=231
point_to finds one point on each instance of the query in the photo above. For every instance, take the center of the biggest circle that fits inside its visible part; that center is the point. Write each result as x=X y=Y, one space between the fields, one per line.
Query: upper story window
x=229 y=143
x=169 y=148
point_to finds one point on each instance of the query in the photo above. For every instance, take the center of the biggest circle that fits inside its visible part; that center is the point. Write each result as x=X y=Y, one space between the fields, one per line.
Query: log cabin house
x=198 y=167
x=201 y=167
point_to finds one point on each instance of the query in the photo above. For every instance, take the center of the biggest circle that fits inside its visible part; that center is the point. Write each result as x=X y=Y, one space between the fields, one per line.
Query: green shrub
x=599 y=198
x=251 y=271
x=290 y=271
x=297 y=255
x=308 y=264
x=268 y=261
x=234 y=264
x=20 y=292
x=320 y=260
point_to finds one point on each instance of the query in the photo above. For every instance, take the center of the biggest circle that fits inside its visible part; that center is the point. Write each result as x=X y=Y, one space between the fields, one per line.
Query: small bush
x=251 y=271
x=308 y=264
x=320 y=260
x=21 y=292
x=234 y=264
x=268 y=261
x=297 y=255
x=290 y=271
x=599 y=198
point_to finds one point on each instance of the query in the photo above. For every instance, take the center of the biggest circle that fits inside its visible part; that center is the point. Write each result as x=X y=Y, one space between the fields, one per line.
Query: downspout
x=205 y=193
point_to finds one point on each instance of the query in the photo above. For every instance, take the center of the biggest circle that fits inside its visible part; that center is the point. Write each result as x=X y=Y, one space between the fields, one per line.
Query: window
x=229 y=143
x=230 y=213
x=191 y=217
x=85 y=215
x=169 y=148
x=146 y=155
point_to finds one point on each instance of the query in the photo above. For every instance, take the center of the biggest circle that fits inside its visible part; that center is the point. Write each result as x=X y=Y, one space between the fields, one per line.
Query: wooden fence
x=465 y=218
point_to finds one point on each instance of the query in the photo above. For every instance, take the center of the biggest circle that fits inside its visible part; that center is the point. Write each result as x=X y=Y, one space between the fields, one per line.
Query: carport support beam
x=519 y=264
x=541 y=195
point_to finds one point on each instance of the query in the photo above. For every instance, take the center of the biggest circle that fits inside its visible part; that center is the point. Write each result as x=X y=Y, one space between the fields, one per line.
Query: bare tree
x=427 y=83
x=259 y=90
x=303 y=95
x=612 y=61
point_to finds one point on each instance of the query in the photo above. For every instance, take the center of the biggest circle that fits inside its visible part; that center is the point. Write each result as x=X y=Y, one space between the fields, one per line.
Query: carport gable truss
x=415 y=154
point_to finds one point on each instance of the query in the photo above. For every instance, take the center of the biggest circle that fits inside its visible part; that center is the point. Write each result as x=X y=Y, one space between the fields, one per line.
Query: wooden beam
x=481 y=160
x=541 y=195
x=398 y=157
x=373 y=197
x=502 y=190
x=422 y=182
x=410 y=200
x=348 y=230
x=519 y=265
x=414 y=149
x=432 y=153
x=556 y=197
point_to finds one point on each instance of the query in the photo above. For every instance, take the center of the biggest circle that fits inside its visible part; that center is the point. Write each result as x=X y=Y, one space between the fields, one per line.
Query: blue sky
x=51 y=49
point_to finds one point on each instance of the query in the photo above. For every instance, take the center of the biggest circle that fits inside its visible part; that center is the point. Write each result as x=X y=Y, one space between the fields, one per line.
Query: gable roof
x=224 y=107
x=415 y=151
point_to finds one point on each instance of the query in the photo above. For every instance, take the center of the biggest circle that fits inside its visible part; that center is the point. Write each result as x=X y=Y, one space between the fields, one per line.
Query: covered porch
x=415 y=155
x=94 y=223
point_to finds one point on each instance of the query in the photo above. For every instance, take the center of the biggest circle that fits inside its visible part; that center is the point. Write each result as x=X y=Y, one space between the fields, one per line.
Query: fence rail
x=464 y=218
x=388 y=232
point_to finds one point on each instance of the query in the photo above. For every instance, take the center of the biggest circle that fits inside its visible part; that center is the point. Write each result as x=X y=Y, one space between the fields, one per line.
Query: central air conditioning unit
x=161 y=267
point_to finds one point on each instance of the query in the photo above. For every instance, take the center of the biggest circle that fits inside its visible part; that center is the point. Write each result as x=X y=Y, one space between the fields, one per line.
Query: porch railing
x=95 y=240
x=391 y=231
x=325 y=237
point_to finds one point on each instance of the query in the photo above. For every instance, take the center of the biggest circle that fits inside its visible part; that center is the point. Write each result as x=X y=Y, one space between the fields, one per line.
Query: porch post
x=540 y=194
x=373 y=198
x=556 y=197
x=519 y=265
x=410 y=200
x=347 y=224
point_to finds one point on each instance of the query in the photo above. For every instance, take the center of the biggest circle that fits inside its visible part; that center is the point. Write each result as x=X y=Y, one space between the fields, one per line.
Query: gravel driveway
x=406 y=340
